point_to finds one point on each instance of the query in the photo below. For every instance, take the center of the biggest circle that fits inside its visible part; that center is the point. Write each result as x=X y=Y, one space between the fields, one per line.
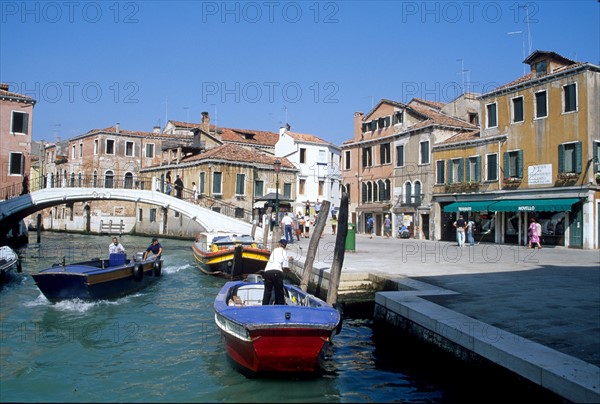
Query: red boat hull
x=278 y=350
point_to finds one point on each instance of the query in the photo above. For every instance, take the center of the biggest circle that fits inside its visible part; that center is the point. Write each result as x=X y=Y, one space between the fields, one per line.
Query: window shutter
x=25 y=123
x=388 y=187
x=450 y=172
x=596 y=157
x=478 y=169
x=578 y=157
x=520 y=163
x=364 y=192
x=561 y=158
x=364 y=127
x=468 y=171
x=461 y=170
x=506 y=160
x=387 y=121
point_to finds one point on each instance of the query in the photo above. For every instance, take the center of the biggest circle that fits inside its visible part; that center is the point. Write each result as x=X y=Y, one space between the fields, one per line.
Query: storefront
x=560 y=218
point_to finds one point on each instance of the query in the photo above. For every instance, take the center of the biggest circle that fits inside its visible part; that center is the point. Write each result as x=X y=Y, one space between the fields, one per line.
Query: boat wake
x=78 y=305
x=173 y=269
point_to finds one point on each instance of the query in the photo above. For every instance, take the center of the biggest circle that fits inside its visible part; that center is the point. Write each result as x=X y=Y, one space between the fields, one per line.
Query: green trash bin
x=351 y=238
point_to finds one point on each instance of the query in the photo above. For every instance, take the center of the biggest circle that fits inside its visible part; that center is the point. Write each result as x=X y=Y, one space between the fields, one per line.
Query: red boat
x=274 y=338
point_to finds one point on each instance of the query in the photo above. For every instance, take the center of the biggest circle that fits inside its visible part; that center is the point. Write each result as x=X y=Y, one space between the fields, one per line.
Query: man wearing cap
x=273 y=275
x=155 y=248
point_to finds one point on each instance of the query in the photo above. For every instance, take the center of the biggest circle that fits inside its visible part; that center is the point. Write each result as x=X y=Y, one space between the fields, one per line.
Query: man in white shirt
x=115 y=247
x=288 y=225
x=273 y=275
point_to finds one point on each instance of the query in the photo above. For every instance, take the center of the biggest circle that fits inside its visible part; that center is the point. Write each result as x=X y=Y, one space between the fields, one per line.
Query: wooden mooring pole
x=313 y=244
x=338 y=251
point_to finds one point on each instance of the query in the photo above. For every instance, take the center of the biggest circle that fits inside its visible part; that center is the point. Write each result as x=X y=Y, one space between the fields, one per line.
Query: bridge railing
x=120 y=182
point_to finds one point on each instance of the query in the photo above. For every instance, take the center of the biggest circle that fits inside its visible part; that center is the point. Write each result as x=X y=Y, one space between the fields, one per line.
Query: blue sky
x=261 y=64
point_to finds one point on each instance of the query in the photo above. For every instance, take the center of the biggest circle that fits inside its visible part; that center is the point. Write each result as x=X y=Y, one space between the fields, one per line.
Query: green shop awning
x=535 y=205
x=474 y=206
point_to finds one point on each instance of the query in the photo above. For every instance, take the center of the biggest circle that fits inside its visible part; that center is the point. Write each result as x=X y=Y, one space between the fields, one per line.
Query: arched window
x=79 y=180
x=72 y=181
x=128 y=183
x=408 y=192
x=109 y=179
x=95 y=179
x=417 y=199
x=388 y=190
x=364 y=192
x=369 y=192
x=382 y=190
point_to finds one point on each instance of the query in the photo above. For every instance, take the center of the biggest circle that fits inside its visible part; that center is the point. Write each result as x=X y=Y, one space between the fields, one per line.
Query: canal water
x=161 y=345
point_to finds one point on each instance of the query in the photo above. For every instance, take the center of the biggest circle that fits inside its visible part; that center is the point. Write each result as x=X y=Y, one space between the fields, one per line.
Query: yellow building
x=542 y=132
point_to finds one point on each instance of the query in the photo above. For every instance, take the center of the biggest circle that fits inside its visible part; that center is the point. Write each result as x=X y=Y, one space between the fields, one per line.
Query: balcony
x=571 y=176
x=458 y=187
x=511 y=182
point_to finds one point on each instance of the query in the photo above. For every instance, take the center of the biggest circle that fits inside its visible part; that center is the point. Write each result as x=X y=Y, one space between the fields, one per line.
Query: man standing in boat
x=115 y=247
x=273 y=275
x=156 y=248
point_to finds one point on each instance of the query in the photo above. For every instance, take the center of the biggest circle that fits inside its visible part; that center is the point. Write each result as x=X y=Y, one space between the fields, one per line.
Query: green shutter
x=578 y=157
x=520 y=163
x=25 y=123
x=506 y=170
x=561 y=158
x=478 y=169
x=387 y=121
x=468 y=171
x=596 y=157
x=461 y=170
x=449 y=171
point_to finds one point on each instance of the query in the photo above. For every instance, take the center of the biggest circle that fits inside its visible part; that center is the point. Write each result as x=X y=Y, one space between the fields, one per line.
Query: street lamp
x=277 y=167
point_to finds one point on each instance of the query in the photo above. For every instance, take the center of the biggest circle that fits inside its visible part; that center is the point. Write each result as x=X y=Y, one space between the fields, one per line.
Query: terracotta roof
x=5 y=93
x=432 y=104
x=235 y=153
x=438 y=118
x=248 y=136
x=463 y=137
x=304 y=137
x=551 y=54
x=191 y=125
x=113 y=130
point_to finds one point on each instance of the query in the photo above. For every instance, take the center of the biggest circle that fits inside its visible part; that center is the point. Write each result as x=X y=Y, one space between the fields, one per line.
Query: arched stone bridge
x=15 y=209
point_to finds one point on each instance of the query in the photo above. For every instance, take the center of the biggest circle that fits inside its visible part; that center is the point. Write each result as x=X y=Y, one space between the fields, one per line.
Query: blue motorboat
x=98 y=278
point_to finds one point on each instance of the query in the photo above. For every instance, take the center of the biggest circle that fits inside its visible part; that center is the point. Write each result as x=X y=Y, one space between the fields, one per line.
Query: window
x=322 y=158
x=570 y=97
x=492 y=118
x=541 y=68
x=140 y=214
x=473 y=173
x=72 y=180
x=456 y=170
x=287 y=190
x=19 y=123
x=95 y=147
x=80 y=150
x=383 y=122
x=110 y=146
x=302 y=155
x=240 y=181
x=347 y=165
x=367 y=158
x=73 y=152
x=202 y=182
x=473 y=118
x=259 y=186
x=150 y=150
x=491 y=167
x=321 y=187
x=152 y=215
x=407 y=192
x=513 y=164
x=569 y=158
x=216 y=186
x=517 y=109
x=384 y=153
x=541 y=107
x=424 y=147
x=129 y=149
x=596 y=160
x=381 y=191
x=400 y=156
x=417 y=197
x=16 y=164
x=109 y=179
x=398 y=117
x=128 y=181
x=440 y=172
x=302 y=186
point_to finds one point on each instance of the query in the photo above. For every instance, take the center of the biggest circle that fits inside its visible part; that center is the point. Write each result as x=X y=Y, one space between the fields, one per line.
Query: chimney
x=117 y=128
x=358 y=121
x=4 y=86
x=156 y=129
x=205 y=125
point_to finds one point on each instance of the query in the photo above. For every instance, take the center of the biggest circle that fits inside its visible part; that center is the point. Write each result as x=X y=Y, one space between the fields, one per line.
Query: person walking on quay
x=333 y=224
x=178 y=187
x=470 y=232
x=307 y=209
x=370 y=226
x=273 y=275
x=288 y=225
x=534 y=237
x=460 y=230
x=317 y=207
x=194 y=191
x=115 y=247
x=387 y=226
x=301 y=223
x=307 y=224
x=168 y=187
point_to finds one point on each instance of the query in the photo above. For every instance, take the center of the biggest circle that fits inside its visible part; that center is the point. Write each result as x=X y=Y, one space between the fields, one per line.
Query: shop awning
x=535 y=205
x=474 y=206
